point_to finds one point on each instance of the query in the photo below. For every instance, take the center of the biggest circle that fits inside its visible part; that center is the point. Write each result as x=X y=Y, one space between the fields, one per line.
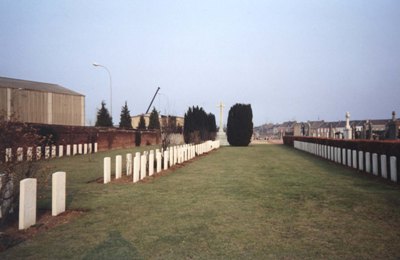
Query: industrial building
x=43 y=103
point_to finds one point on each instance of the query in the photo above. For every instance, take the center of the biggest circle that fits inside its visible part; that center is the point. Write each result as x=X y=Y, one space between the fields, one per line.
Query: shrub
x=240 y=125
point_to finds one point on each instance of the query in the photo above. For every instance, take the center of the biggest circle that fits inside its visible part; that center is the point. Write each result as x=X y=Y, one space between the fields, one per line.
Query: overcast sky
x=291 y=60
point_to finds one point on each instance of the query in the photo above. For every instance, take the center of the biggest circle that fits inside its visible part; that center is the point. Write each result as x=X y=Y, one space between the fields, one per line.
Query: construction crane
x=147 y=111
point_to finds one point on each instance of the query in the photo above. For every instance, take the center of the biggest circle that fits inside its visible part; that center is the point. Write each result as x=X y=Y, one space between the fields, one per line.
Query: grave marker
x=27 y=203
x=58 y=193
x=107 y=170
x=118 y=166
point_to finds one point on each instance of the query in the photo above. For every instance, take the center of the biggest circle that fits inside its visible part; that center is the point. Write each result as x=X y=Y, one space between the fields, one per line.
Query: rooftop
x=36 y=86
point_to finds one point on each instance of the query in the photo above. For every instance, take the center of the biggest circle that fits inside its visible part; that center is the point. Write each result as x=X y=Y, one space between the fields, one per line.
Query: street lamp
x=109 y=74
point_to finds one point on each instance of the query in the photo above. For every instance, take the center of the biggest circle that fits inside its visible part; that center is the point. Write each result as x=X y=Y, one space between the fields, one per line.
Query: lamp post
x=109 y=74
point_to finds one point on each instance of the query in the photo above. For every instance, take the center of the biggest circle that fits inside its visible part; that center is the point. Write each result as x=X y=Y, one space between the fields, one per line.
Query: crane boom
x=147 y=111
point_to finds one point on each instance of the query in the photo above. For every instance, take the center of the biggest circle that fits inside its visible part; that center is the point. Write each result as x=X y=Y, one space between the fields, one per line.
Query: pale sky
x=291 y=60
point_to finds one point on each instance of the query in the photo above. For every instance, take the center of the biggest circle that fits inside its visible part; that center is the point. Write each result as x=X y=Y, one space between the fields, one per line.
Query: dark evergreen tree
x=154 y=121
x=103 y=116
x=142 y=123
x=240 y=125
x=212 y=126
x=125 y=120
x=138 y=138
x=198 y=125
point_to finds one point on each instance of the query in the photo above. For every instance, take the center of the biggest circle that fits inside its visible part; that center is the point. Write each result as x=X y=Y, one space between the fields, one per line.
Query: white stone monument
x=58 y=193
x=27 y=203
x=61 y=151
x=221 y=135
x=158 y=159
x=347 y=131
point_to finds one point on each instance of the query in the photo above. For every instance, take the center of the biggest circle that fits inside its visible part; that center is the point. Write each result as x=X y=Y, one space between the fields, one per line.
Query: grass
x=259 y=202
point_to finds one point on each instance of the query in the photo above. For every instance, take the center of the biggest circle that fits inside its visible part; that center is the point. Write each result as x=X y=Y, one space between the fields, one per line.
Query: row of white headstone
x=150 y=162
x=363 y=161
x=28 y=199
x=49 y=151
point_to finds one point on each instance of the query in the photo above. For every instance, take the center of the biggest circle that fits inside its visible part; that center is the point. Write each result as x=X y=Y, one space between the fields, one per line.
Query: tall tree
x=154 y=120
x=142 y=123
x=198 y=125
x=240 y=125
x=125 y=119
x=103 y=116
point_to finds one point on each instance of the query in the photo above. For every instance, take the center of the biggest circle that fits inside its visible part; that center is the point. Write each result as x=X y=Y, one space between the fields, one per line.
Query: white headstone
x=58 y=193
x=74 y=149
x=129 y=164
x=8 y=157
x=355 y=159
x=361 y=160
x=29 y=154
x=38 y=153
x=344 y=156
x=107 y=169
x=80 y=148
x=53 y=151
x=20 y=154
x=136 y=167
x=166 y=155
x=151 y=163
x=375 y=164
x=68 y=150
x=60 y=151
x=85 y=149
x=339 y=155
x=118 y=166
x=47 y=152
x=95 y=147
x=158 y=158
x=90 y=148
x=170 y=157
x=143 y=161
x=27 y=203
x=384 y=166
x=368 y=162
x=393 y=168
x=349 y=157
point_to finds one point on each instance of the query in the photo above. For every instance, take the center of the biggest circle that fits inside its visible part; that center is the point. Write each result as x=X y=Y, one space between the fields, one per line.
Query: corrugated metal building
x=44 y=103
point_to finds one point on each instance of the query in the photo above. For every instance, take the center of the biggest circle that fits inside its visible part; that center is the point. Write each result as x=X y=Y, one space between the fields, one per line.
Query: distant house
x=175 y=121
x=38 y=102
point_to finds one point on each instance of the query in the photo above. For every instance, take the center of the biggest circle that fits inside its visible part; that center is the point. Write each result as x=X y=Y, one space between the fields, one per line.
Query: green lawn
x=258 y=202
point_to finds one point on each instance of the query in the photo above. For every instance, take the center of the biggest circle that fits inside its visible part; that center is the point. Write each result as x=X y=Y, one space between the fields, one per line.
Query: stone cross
x=221 y=112
x=347 y=120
